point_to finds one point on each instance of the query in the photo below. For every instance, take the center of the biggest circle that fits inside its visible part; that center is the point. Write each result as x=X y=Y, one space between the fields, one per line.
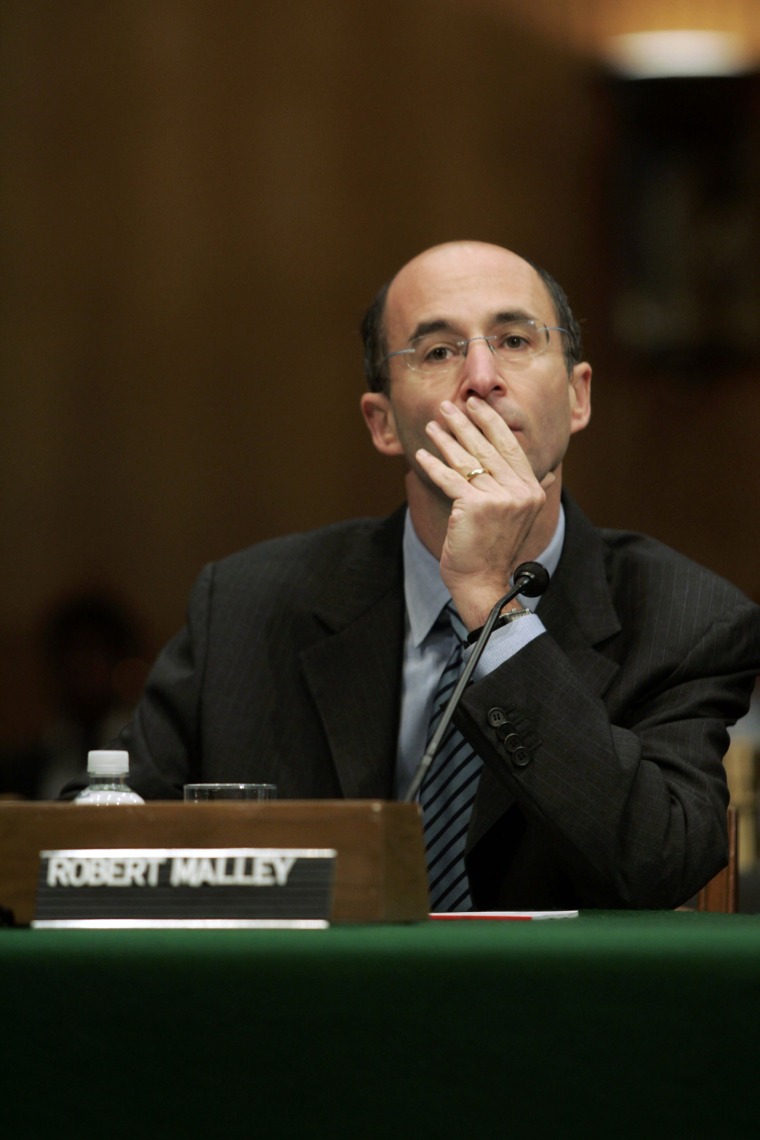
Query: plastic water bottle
x=108 y=771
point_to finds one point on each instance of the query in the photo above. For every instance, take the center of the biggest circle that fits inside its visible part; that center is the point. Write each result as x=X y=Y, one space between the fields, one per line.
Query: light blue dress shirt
x=426 y=649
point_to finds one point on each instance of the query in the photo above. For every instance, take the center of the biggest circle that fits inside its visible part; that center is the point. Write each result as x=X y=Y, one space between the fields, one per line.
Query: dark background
x=199 y=198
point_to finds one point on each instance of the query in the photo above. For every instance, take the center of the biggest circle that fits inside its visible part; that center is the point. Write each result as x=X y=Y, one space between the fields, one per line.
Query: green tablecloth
x=642 y=1025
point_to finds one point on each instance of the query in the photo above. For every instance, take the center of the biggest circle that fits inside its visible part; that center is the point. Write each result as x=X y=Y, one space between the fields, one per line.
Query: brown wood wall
x=199 y=197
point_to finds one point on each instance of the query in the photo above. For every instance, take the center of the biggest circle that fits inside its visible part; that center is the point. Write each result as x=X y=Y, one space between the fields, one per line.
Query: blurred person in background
x=94 y=668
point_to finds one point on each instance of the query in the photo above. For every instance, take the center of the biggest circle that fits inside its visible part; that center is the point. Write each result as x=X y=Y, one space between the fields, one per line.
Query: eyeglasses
x=517 y=343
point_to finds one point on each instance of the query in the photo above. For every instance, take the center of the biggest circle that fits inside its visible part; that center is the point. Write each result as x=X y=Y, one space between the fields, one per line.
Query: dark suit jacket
x=603 y=739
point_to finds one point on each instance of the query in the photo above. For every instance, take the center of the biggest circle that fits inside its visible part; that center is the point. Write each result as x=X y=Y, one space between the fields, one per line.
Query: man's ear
x=580 y=396
x=378 y=415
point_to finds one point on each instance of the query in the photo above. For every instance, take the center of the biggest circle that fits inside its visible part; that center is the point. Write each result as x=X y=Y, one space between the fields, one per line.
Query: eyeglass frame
x=465 y=342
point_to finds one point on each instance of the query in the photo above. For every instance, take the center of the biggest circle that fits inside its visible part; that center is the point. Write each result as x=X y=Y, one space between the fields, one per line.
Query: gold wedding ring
x=475 y=471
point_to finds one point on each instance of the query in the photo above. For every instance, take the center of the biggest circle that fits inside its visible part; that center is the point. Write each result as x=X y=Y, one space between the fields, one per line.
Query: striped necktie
x=448 y=791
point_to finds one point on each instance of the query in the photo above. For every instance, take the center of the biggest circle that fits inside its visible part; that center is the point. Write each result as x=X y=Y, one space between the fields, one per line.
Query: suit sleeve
x=627 y=789
x=163 y=738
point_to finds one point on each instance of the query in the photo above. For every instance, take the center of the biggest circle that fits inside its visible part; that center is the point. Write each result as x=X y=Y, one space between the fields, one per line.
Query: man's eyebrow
x=442 y=324
x=514 y=315
x=425 y=327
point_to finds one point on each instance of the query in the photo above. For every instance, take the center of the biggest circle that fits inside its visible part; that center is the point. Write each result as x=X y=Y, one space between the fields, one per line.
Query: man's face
x=468 y=288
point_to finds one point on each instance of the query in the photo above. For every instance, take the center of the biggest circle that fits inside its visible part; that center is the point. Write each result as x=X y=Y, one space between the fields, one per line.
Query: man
x=589 y=742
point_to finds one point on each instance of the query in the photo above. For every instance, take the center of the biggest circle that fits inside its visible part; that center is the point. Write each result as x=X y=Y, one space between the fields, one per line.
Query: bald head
x=460 y=261
x=456 y=271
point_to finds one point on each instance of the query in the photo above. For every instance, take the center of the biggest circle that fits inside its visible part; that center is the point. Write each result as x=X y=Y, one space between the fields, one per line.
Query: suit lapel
x=354 y=672
x=577 y=609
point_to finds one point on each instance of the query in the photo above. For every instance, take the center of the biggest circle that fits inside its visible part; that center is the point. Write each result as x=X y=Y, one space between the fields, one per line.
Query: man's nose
x=480 y=373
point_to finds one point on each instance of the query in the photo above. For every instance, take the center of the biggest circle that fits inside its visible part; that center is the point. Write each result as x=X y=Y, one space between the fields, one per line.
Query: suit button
x=521 y=757
x=496 y=717
x=505 y=730
x=513 y=743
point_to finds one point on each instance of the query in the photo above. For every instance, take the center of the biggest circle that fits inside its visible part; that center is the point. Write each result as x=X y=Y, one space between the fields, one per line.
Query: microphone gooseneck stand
x=531 y=579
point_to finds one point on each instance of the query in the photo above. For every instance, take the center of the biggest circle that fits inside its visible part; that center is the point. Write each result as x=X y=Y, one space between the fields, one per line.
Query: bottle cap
x=104 y=762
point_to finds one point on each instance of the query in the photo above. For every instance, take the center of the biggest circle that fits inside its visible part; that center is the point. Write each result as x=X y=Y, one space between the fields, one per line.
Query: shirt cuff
x=505 y=642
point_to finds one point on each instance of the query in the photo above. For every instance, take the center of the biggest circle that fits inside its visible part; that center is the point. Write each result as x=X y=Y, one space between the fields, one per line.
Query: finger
x=493 y=427
x=451 y=450
x=446 y=478
x=485 y=437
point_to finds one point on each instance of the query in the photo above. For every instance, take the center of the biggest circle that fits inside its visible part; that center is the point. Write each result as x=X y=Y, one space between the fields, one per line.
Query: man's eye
x=517 y=338
x=438 y=353
x=515 y=342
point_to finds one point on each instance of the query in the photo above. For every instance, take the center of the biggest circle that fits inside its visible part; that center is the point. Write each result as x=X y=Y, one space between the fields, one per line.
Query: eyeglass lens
x=515 y=342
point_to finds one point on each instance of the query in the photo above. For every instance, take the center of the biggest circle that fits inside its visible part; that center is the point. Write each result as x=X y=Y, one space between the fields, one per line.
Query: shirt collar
x=424 y=590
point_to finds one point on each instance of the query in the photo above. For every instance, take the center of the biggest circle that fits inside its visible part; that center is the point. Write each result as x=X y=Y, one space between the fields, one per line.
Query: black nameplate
x=185 y=887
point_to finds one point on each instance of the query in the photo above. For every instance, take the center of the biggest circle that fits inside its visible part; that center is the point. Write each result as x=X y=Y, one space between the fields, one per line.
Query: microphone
x=531 y=579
